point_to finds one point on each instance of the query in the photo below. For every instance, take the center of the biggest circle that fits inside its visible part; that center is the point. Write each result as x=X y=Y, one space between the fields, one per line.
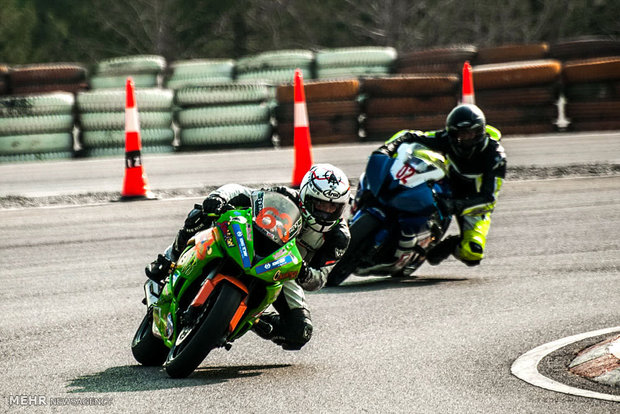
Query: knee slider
x=475 y=247
x=470 y=251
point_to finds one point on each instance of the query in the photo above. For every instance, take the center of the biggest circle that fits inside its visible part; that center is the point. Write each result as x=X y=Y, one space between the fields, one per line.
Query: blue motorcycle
x=396 y=195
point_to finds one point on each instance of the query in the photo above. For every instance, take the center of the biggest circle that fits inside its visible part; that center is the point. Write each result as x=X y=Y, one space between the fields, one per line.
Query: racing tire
x=361 y=231
x=209 y=333
x=146 y=348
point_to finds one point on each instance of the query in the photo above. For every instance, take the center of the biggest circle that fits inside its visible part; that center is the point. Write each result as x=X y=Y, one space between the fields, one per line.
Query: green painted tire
x=109 y=100
x=116 y=138
x=44 y=104
x=276 y=76
x=131 y=64
x=36 y=124
x=226 y=135
x=223 y=94
x=115 y=152
x=35 y=143
x=223 y=115
x=279 y=59
x=43 y=156
x=147 y=80
x=356 y=56
x=91 y=121
x=211 y=67
x=176 y=83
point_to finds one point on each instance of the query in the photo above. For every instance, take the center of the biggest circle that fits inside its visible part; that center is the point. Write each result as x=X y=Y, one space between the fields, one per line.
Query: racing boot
x=443 y=250
x=406 y=244
x=158 y=269
x=291 y=332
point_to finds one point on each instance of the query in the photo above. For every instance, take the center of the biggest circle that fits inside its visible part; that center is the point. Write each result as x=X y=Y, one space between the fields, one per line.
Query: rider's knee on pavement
x=470 y=252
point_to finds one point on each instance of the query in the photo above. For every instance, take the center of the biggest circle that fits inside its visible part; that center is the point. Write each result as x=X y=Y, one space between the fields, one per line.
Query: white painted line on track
x=526 y=366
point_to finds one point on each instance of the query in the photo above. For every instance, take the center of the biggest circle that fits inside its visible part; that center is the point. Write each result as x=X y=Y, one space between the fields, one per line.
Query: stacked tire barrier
x=146 y=71
x=4 y=82
x=333 y=111
x=354 y=62
x=447 y=60
x=101 y=120
x=419 y=102
x=585 y=48
x=36 y=127
x=275 y=66
x=519 y=97
x=511 y=53
x=47 y=77
x=224 y=115
x=353 y=94
x=592 y=93
x=200 y=72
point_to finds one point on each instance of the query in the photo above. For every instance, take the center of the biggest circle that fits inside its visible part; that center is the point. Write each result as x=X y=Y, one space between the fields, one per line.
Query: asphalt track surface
x=441 y=343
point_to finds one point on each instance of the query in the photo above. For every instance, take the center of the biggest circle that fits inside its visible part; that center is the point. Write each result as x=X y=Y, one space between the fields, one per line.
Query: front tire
x=148 y=349
x=361 y=231
x=209 y=333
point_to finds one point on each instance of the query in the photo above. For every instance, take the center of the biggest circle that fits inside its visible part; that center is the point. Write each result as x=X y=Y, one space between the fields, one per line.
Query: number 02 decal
x=406 y=172
x=268 y=219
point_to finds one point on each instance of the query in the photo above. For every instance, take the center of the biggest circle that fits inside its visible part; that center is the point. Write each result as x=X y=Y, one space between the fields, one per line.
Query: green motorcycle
x=225 y=278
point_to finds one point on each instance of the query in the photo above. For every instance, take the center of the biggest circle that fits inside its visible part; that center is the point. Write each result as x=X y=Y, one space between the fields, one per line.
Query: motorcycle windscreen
x=275 y=216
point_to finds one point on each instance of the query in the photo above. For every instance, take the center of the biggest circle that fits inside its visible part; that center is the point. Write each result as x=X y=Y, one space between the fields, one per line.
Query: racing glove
x=215 y=205
x=304 y=274
x=449 y=206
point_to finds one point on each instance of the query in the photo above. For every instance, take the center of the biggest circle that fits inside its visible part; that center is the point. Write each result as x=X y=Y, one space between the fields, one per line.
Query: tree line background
x=38 y=31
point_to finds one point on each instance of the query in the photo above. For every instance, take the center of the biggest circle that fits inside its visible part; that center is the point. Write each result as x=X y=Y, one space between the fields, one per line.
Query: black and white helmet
x=324 y=192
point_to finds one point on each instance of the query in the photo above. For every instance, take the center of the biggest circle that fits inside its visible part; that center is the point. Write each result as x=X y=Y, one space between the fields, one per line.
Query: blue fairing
x=418 y=200
x=377 y=169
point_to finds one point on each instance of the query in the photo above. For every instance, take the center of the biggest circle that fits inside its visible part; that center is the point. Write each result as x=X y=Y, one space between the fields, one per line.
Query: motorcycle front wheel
x=146 y=348
x=194 y=344
x=361 y=232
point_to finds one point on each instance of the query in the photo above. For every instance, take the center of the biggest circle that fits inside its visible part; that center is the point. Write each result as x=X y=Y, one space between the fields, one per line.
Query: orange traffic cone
x=301 y=133
x=135 y=185
x=468 y=85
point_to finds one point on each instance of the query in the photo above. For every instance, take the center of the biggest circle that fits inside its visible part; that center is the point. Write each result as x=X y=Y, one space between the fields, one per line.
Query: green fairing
x=232 y=229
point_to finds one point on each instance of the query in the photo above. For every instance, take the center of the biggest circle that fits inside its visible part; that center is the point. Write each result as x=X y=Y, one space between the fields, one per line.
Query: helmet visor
x=467 y=138
x=325 y=212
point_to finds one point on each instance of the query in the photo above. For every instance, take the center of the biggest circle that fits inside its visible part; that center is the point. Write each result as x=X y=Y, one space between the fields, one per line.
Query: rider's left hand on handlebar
x=215 y=206
x=304 y=274
x=447 y=206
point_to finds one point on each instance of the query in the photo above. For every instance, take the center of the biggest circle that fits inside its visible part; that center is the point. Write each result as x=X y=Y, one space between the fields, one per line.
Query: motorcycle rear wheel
x=146 y=348
x=361 y=231
x=210 y=332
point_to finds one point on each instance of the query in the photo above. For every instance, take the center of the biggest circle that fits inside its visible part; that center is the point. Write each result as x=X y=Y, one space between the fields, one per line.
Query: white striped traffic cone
x=135 y=184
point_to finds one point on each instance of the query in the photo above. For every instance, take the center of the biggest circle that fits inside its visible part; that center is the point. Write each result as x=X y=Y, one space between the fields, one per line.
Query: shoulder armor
x=494 y=133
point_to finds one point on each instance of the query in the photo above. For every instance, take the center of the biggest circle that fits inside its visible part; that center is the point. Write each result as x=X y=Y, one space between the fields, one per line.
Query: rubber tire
x=361 y=231
x=209 y=335
x=223 y=94
x=410 y=86
x=146 y=348
x=321 y=91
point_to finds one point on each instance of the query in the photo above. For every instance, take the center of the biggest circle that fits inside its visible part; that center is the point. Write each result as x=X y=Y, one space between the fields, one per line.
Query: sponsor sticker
x=275 y=264
x=243 y=249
